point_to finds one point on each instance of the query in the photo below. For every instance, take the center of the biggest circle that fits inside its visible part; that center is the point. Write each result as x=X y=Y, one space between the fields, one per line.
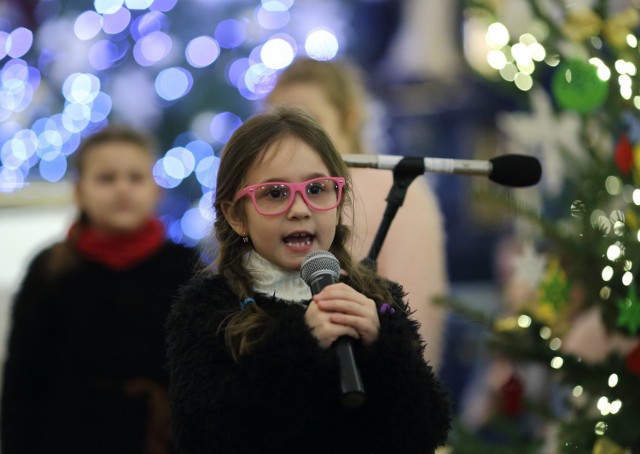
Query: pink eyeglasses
x=273 y=198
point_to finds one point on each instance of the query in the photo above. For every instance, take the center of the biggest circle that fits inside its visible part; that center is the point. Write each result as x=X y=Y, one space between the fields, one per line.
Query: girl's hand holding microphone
x=339 y=310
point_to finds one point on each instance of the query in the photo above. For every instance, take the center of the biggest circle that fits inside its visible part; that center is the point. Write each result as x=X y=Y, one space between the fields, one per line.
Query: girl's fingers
x=324 y=330
x=345 y=306
x=341 y=292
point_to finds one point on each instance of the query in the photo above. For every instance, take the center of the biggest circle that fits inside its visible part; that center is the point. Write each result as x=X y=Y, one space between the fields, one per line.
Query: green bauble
x=576 y=86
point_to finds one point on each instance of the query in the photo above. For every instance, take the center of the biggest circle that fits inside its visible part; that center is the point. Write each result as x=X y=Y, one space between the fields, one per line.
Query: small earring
x=245 y=239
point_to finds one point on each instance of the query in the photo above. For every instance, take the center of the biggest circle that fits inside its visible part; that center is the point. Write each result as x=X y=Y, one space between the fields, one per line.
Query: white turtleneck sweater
x=269 y=279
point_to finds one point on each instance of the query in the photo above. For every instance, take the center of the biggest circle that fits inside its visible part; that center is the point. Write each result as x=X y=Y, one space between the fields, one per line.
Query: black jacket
x=284 y=396
x=85 y=371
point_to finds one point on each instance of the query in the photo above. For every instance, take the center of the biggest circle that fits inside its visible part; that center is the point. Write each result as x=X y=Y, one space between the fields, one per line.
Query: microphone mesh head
x=316 y=261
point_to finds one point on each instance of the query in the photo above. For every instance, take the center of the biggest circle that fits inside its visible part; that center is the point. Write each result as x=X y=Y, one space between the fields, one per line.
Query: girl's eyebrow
x=310 y=176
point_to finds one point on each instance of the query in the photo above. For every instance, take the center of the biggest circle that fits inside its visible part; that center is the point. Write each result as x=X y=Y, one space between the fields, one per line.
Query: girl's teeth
x=304 y=243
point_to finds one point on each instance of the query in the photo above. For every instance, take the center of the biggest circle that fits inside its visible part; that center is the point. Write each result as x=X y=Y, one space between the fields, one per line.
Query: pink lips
x=299 y=240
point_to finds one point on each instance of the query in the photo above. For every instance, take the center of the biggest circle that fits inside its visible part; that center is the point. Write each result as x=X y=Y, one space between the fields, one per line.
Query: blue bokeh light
x=173 y=83
x=10 y=179
x=200 y=149
x=19 y=42
x=116 y=22
x=230 y=33
x=186 y=159
x=163 y=5
x=152 y=48
x=207 y=171
x=278 y=52
x=107 y=6
x=76 y=117
x=101 y=107
x=277 y=5
x=81 y=87
x=194 y=225
x=205 y=205
x=87 y=25
x=321 y=44
x=223 y=125
x=138 y=4
x=260 y=79
x=272 y=15
x=53 y=170
x=161 y=176
x=18 y=82
x=236 y=70
x=202 y=51
x=102 y=54
x=153 y=21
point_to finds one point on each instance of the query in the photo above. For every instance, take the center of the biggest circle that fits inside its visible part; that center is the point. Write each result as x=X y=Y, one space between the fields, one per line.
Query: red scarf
x=118 y=251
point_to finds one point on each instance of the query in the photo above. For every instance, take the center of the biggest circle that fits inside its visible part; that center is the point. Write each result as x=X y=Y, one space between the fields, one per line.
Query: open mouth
x=298 y=239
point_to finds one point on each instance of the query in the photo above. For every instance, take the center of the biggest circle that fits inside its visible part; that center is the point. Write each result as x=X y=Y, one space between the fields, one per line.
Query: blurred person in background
x=86 y=354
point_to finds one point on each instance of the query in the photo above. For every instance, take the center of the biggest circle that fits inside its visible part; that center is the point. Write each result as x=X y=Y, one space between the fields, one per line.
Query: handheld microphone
x=514 y=170
x=319 y=269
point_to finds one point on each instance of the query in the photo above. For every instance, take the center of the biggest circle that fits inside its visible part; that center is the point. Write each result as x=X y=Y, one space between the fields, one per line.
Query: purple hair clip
x=244 y=303
x=386 y=308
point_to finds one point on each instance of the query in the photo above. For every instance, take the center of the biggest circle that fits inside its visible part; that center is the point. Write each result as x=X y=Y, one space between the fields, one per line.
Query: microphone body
x=320 y=269
x=509 y=170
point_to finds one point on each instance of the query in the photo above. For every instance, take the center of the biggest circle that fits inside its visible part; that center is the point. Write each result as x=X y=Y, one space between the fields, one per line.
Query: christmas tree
x=567 y=373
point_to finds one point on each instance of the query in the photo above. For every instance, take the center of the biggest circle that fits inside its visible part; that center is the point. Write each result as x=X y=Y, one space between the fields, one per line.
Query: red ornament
x=512 y=393
x=633 y=360
x=624 y=154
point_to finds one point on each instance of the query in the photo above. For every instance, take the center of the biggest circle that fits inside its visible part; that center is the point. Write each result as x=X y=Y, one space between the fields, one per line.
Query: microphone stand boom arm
x=407 y=169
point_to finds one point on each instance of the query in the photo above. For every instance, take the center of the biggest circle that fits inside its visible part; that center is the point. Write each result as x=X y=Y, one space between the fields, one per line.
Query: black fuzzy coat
x=284 y=396
x=85 y=371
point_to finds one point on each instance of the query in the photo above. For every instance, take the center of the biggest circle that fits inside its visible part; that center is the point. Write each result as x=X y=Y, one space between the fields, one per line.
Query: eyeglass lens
x=319 y=194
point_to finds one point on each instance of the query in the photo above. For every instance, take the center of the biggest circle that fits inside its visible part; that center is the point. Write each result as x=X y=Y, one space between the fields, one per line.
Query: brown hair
x=244 y=328
x=64 y=256
x=342 y=84
x=110 y=134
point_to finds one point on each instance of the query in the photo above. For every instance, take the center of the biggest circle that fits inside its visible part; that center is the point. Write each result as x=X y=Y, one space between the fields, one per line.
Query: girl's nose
x=299 y=207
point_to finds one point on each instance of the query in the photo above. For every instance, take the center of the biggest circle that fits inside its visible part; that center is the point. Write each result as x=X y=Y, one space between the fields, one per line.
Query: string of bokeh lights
x=114 y=32
x=516 y=62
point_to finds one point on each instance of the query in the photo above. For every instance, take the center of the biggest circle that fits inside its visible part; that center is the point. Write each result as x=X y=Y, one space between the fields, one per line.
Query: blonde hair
x=342 y=84
x=245 y=328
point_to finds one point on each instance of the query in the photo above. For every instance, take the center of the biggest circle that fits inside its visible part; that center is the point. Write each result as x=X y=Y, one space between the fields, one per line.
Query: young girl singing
x=334 y=93
x=85 y=369
x=250 y=358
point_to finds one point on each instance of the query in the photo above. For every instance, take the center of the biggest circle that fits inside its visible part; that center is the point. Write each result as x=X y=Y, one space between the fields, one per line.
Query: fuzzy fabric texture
x=85 y=371
x=284 y=397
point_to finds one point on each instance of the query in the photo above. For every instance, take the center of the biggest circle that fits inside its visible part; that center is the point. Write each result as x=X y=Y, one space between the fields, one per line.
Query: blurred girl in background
x=85 y=368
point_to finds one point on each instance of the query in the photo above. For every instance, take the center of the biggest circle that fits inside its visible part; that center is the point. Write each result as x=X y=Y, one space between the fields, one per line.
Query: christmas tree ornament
x=511 y=395
x=529 y=266
x=633 y=360
x=620 y=25
x=629 y=311
x=562 y=132
x=581 y=25
x=576 y=86
x=554 y=287
x=636 y=160
x=624 y=154
x=605 y=445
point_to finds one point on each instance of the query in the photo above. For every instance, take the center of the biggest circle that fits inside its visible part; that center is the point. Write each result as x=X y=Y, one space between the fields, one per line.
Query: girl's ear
x=237 y=224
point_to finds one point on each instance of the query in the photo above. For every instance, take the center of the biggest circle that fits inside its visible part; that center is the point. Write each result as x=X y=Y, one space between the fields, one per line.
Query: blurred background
x=448 y=78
